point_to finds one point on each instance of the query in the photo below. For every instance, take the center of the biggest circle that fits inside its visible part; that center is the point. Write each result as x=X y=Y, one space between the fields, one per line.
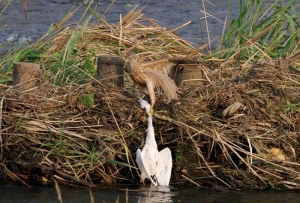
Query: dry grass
x=240 y=128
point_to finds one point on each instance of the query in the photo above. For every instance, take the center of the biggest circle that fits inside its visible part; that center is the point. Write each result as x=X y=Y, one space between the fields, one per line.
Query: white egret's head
x=145 y=105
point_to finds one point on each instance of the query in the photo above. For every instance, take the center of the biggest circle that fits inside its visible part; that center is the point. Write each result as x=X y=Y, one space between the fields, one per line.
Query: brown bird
x=151 y=75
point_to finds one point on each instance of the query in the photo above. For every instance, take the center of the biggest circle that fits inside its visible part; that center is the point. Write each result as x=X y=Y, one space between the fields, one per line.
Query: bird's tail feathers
x=164 y=82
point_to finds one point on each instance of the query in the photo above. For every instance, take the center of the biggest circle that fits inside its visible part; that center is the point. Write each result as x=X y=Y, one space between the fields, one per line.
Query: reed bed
x=238 y=129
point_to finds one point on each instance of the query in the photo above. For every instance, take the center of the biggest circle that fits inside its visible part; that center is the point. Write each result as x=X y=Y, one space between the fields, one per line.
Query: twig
x=1 y=140
x=190 y=180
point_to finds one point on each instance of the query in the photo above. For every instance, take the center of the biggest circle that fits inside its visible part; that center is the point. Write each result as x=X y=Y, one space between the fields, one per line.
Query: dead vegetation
x=239 y=128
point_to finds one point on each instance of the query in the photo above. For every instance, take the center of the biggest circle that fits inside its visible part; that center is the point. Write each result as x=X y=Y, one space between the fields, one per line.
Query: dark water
x=14 y=29
x=12 y=193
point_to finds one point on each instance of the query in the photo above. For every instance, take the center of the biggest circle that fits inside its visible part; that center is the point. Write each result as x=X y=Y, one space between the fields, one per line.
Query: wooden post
x=188 y=75
x=26 y=75
x=111 y=69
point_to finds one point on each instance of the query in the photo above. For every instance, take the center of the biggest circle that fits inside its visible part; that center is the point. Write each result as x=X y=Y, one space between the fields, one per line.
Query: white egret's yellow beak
x=151 y=111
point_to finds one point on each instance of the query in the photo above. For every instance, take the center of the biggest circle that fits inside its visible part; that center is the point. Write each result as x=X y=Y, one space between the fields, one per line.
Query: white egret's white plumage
x=154 y=165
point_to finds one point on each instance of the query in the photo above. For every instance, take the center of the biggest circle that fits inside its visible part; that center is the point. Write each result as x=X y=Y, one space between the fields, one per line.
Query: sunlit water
x=13 y=193
x=14 y=29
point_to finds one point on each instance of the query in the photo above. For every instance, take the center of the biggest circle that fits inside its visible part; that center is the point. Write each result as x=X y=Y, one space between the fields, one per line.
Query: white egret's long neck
x=150 y=132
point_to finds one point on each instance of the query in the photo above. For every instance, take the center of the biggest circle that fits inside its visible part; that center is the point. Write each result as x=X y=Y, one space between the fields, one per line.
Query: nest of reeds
x=239 y=127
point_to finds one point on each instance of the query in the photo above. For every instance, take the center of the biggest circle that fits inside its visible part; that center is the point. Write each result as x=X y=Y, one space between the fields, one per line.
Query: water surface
x=15 y=193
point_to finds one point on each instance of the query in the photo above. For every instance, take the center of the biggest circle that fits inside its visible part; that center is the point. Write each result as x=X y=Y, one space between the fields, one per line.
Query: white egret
x=154 y=165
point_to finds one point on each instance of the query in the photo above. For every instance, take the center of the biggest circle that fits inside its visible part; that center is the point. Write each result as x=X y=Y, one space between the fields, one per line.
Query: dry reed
x=240 y=128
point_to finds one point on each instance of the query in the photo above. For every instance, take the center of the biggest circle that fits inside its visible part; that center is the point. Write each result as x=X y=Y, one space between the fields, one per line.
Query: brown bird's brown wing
x=164 y=82
x=146 y=76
